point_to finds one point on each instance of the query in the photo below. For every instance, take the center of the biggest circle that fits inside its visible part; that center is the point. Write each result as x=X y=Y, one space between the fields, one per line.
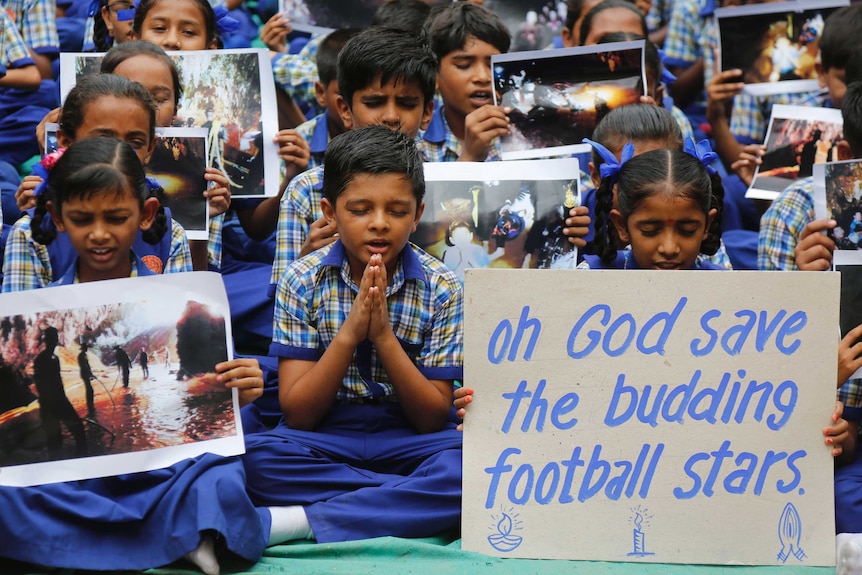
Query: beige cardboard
x=782 y=515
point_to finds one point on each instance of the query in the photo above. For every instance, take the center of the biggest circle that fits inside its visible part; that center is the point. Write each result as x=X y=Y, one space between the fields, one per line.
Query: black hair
x=573 y=12
x=206 y=9
x=407 y=15
x=851 y=111
x=838 y=41
x=451 y=27
x=670 y=172
x=372 y=150
x=102 y=40
x=89 y=167
x=652 y=59
x=633 y=123
x=91 y=88
x=327 y=54
x=587 y=22
x=122 y=52
x=50 y=336
x=387 y=54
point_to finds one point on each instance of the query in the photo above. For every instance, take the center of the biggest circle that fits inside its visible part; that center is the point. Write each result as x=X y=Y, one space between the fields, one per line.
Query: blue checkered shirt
x=750 y=117
x=35 y=20
x=316 y=133
x=439 y=144
x=297 y=73
x=27 y=265
x=214 y=241
x=298 y=209
x=426 y=311
x=782 y=224
x=659 y=14
x=850 y=395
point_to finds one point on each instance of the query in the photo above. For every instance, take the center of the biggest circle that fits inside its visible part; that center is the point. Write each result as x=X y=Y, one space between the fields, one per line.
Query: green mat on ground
x=435 y=556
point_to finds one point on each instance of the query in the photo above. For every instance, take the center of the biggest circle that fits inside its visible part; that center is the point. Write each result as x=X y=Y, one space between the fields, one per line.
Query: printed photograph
x=775 y=45
x=849 y=263
x=843 y=190
x=117 y=378
x=231 y=93
x=51 y=144
x=557 y=97
x=178 y=164
x=798 y=138
x=498 y=220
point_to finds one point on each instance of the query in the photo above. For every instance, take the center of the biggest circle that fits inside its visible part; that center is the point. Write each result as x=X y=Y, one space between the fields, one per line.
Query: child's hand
x=720 y=90
x=481 y=126
x=357 y=324
x=849 y=354
x=814 y=250
x=219 y=194
x=245 y=375
x=52 y=117
x=24 y=196
x=578 y=225
x=294 y=150
x=838 y=434
x=379 y=326
x=274 y=33
x=749 y=159
x=463 y=398
x=320 y=233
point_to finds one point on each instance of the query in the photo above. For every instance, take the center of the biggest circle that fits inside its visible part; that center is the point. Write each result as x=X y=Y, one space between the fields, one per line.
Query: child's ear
x=344 y=112
x=659 y=95
x=595 y=176
x=63 y=140
x=419 y=211
x=320 y=93
x=427 y=114
x=566 y=36
x=821 y=74
x=620 y=225
x=328 y=210
x=845 y=152
x=709 y=218
x=213 y=44
x=148 y=213
x=106 y=18
x=55 y=216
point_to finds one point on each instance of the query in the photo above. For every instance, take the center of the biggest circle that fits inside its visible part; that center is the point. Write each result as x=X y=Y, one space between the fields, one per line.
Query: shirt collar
x=320 y=135
x=436 y=132
x=410 y=263
x=708 y=9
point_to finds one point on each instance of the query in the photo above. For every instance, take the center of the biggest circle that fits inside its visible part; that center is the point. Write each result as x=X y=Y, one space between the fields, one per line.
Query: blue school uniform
x=848 y=478
x=134 y=521
x=70 y=276
x=365 y=471
x=625 y=261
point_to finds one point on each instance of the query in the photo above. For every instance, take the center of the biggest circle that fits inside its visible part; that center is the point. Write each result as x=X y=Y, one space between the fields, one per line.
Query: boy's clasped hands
x=369 y=315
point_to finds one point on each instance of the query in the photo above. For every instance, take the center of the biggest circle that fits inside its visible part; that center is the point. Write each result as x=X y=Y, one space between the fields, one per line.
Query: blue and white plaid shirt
x=426 y=311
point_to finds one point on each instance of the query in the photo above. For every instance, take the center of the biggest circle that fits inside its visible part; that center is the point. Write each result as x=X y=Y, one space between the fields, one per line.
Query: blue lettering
x=611 y=419
x=740 y=332
x=669 y=319
x=769 y=460
x=524 y=323
x=593 y=335
x=515 y=397
x=713 y=335
x=720 y=455
x=764 y=331
x=589 y=489
x=797 y=475
x=624 y=319
x=571 y=466
x=495 y=352
x=786 y=407
x=792 y=326
x=545 y=495
x=741 y=476
x=496 y=472
x=525 y=470
x=688 y=468
x=564 y=405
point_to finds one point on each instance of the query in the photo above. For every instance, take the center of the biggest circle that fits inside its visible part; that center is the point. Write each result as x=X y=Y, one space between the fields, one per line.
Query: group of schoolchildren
x=366 y=329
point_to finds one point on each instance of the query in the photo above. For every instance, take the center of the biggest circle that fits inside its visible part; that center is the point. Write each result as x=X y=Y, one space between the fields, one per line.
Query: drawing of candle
x=638 y=537
x=504 y=540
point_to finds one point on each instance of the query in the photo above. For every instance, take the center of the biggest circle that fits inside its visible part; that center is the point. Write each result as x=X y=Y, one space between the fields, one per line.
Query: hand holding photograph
x=491 y=215
x=557 y=97
x=798 y=137
x=121 y=382
x=775 y=44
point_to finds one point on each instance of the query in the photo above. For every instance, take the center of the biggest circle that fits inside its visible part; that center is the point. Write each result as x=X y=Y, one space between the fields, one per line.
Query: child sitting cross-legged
x=368 y=330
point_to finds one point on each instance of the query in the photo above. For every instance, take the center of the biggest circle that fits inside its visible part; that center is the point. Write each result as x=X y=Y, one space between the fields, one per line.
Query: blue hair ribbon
x=667 y=78
x=611 y=168
x=708 y=9
x=703 y=152
x=225 y=25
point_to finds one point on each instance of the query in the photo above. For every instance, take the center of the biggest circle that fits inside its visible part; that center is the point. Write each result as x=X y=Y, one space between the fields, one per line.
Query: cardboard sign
x=650 y=416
